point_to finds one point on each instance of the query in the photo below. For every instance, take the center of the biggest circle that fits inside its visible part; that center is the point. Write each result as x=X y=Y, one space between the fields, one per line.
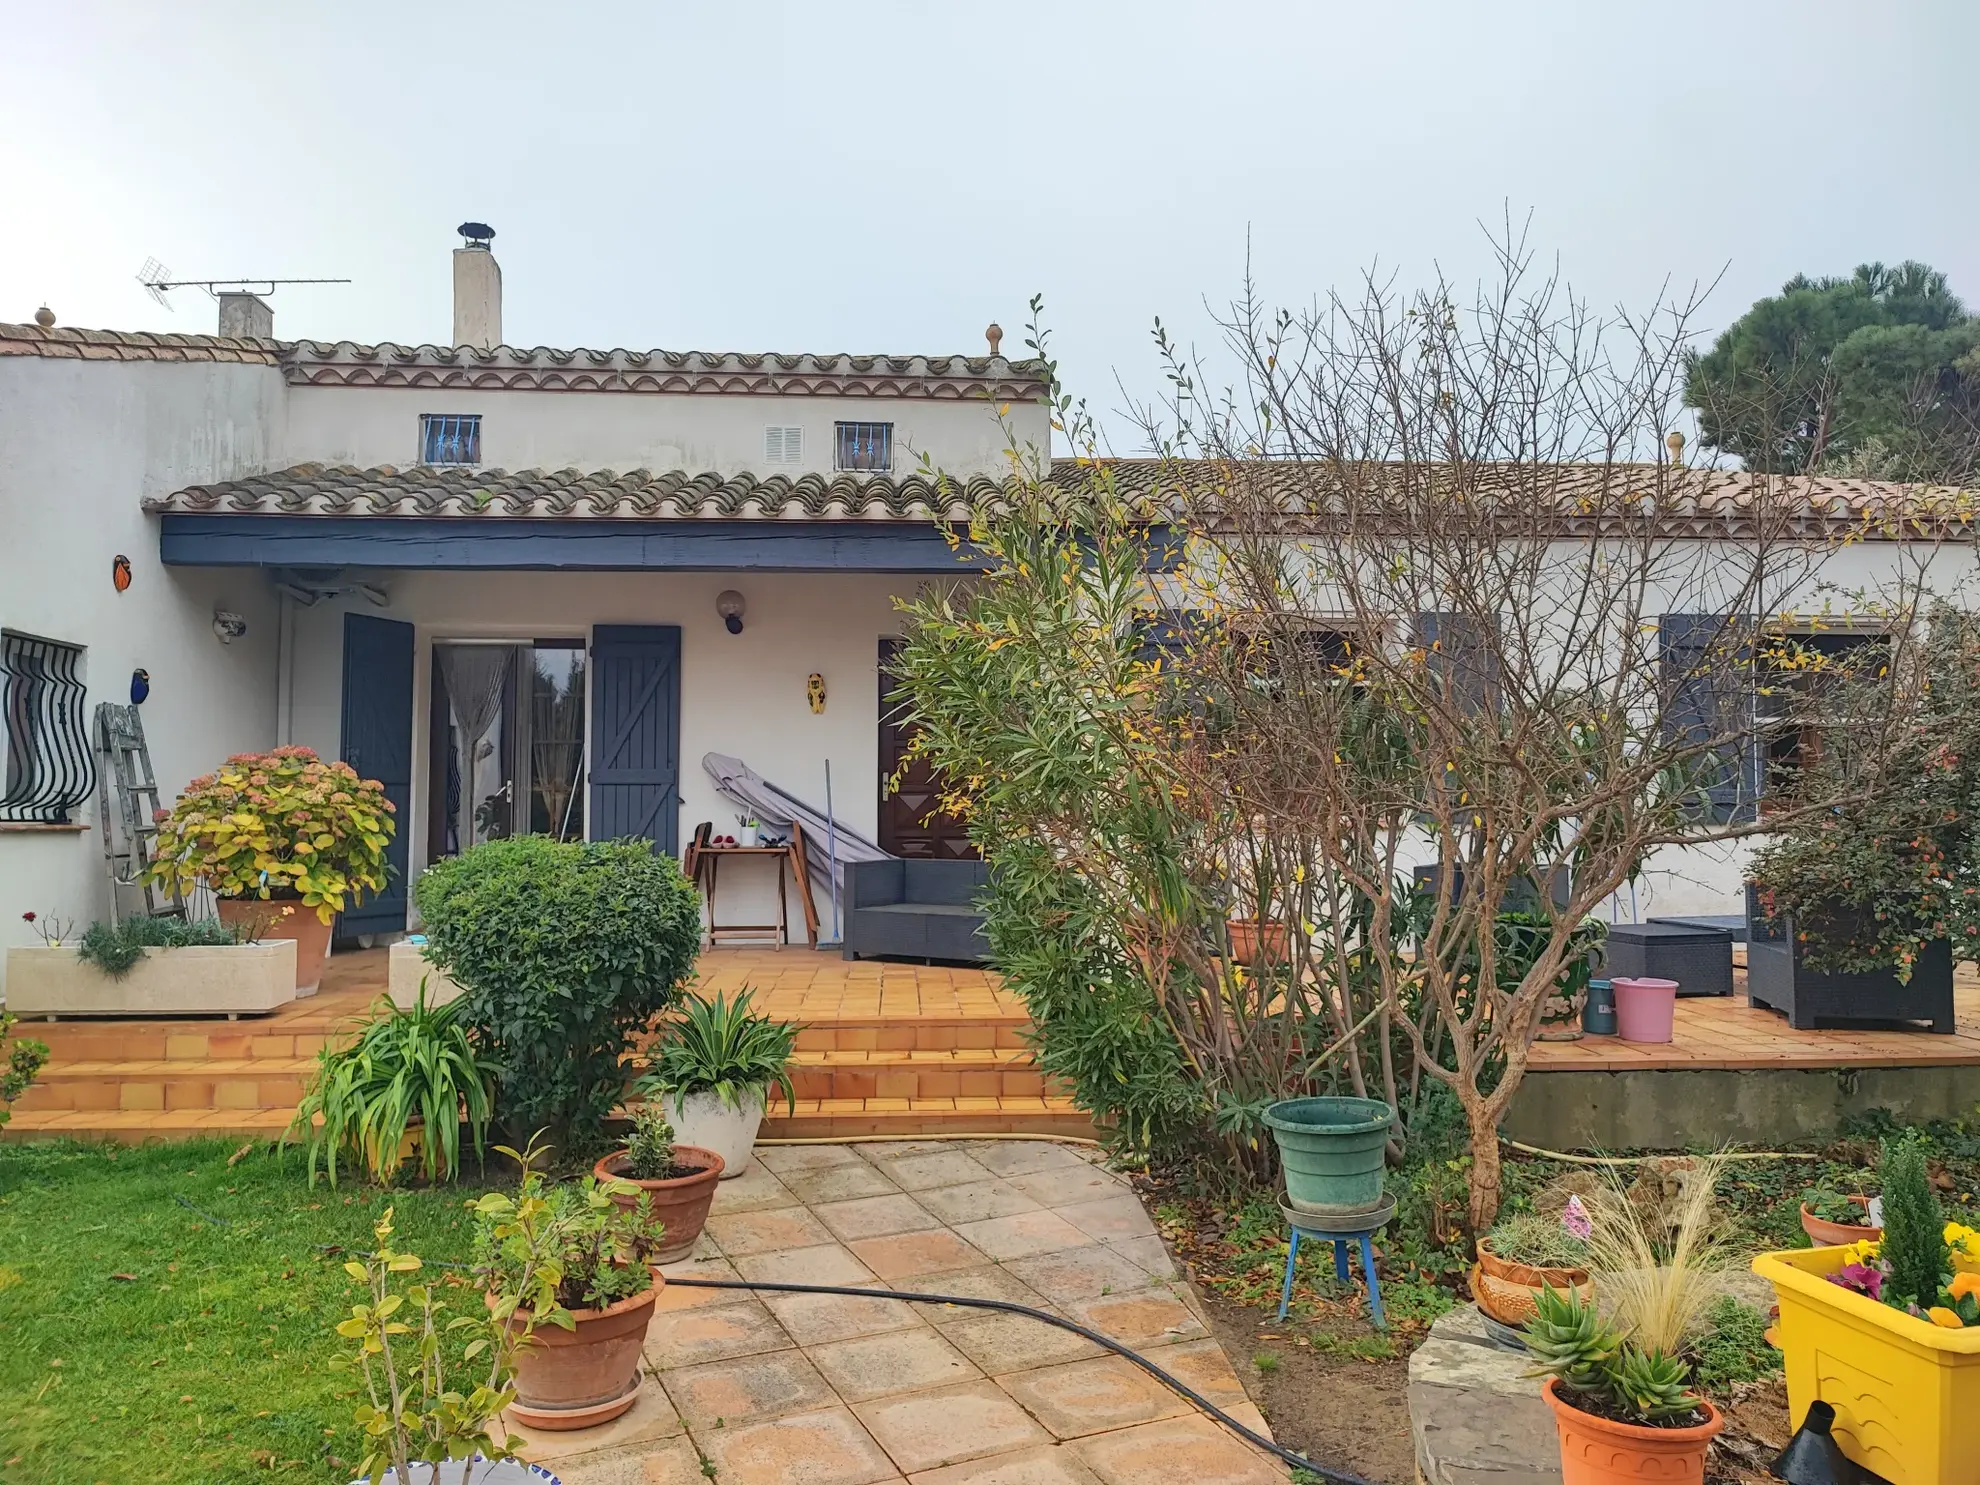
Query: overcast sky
x=868 y=177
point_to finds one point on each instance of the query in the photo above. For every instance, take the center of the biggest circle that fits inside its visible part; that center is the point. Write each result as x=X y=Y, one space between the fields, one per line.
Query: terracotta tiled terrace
x=887 y=1049
x=819 y=1389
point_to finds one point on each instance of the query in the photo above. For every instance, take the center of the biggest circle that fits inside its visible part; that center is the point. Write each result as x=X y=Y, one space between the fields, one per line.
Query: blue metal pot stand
x=1341 y=1230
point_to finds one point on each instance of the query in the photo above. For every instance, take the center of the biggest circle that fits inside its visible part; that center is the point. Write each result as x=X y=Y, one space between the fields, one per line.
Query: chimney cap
x=478 y=234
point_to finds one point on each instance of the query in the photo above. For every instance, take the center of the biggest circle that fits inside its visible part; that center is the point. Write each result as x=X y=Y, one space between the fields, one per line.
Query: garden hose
x=1646 y=1159
x=1174 y=1384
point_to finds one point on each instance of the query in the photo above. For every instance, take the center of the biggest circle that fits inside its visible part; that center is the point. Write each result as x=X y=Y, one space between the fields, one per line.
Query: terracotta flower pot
x=1595 y=1451
x=1509 y=1292
x=268 y=920
x=1838 y=1234
x=576 y=1378
x=1252 y=940
x=682 y=1203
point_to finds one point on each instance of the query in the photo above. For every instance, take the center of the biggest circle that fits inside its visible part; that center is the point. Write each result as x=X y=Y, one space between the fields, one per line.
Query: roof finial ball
x=1674 y=441
x=995 y=335
x=45 y=317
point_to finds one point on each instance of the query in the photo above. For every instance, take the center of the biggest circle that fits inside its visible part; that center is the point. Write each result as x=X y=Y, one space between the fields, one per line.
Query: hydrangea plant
x=282 y=826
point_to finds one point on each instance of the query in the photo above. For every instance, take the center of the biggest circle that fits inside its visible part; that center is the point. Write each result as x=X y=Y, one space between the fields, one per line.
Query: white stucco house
x=524 y=588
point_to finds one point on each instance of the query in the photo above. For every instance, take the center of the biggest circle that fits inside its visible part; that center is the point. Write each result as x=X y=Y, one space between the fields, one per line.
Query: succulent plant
x=1573 y=1343
x=1656 y=1385
x=1570 y=1340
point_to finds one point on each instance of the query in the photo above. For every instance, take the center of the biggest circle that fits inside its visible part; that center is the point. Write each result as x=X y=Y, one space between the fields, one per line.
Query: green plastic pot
x=1331 y=1149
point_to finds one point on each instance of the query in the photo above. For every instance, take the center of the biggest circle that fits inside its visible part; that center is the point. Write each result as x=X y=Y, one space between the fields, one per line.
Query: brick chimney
x=246 y=317
x=477 y=289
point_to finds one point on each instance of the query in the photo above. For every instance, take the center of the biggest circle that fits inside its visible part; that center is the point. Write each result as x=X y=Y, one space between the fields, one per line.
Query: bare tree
x=1437 y=595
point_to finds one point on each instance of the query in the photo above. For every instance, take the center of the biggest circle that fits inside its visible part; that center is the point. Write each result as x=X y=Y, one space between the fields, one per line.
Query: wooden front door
x=911 y=824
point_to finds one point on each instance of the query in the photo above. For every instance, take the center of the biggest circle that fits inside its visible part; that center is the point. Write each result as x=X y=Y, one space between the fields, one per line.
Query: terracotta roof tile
x=1693 y=502
x=61 y=343
x=1699 y=501
x=514 y=368
x=494 y=494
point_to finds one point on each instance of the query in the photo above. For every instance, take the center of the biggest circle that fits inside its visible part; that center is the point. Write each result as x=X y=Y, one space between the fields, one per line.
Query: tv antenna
x=158 y=282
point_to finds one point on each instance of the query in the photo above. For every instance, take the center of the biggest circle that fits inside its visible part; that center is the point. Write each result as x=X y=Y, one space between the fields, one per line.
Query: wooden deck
x=1724 y=1032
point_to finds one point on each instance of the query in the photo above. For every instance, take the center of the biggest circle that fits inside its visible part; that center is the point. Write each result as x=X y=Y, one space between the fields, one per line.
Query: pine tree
x=1914 y=1242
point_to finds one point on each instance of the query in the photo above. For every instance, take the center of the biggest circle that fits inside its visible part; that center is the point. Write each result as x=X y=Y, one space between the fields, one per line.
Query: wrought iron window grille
x=450 y=438
x=48 y=768
x=864 y=447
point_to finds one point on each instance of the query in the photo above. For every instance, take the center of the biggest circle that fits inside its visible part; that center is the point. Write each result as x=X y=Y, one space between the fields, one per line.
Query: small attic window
x=450 y=438
x=783 y=444
x=863 y=446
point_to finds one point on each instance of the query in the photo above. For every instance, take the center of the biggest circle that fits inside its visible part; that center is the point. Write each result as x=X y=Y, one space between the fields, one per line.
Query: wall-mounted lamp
x=729 y=604
x=814 y=691
x=228 y=627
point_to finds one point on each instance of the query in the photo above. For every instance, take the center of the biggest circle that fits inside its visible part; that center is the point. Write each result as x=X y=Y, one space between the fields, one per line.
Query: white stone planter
x=230 y=980
x=407 y=964
x=703 y=1119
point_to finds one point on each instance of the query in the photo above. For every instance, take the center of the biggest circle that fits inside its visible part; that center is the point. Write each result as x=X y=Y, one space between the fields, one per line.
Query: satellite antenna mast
x=158 y=282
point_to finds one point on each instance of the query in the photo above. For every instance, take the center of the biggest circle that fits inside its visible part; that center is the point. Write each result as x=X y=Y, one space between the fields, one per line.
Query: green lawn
x=140 y=1342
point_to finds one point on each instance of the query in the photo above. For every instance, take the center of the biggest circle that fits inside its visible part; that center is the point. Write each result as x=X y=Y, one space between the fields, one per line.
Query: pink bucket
x=1645 y=1009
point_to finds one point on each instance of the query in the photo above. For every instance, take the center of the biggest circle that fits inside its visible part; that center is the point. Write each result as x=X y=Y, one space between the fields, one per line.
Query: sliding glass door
x=506 y=752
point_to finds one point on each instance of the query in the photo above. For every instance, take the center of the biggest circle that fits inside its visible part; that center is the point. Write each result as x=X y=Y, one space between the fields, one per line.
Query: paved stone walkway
x=801 y=1389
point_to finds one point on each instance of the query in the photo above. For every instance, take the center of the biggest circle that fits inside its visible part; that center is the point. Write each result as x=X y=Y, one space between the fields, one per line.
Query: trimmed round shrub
x=565 y=953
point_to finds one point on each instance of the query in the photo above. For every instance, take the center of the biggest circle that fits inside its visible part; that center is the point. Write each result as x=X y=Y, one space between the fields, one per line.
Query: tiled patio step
x=184 y=1085
x=965 y=1072
x=131 y=1126
x=838 y=1118
x=182 y=1041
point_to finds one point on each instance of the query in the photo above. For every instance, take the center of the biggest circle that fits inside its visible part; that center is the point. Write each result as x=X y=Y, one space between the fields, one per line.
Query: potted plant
x=571 y=1272
x=1521 y=936
x=566 y=953
x=1832 y=1218
x=424 y=1428
x=1888 y=1332
x=712 y=1071
x=676 y=1183
x=285 y=840
x=1526 y=1254
x=1623 y=1410
x=406 y=1085
x=145 y=966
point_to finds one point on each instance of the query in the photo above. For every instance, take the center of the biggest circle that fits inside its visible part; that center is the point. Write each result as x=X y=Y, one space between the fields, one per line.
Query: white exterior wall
x=368 y=426
x=81 y=444
x=741 y=694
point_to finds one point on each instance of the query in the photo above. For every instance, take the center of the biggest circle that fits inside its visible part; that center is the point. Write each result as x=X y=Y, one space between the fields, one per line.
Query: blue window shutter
x=636 y=733
x=377 y=742
x=1462 y=655
x=1707 y=664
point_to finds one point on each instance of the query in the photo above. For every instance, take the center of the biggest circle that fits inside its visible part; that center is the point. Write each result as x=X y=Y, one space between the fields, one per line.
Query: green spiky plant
x=1914 y=1246
x=1601 y=1372
x=417 y=1063
x=723 y=1047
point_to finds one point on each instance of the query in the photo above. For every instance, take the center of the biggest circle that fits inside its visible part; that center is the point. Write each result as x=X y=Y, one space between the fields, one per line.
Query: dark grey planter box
x=915 y=910
x=1777 y=979
x=1699 y=959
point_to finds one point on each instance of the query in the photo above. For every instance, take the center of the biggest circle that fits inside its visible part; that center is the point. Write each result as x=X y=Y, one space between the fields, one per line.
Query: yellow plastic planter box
x=1906 y=1392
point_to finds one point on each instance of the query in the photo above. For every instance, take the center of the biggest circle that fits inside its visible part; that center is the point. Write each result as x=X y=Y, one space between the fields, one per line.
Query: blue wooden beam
x=553 y=545
x=569 y=545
